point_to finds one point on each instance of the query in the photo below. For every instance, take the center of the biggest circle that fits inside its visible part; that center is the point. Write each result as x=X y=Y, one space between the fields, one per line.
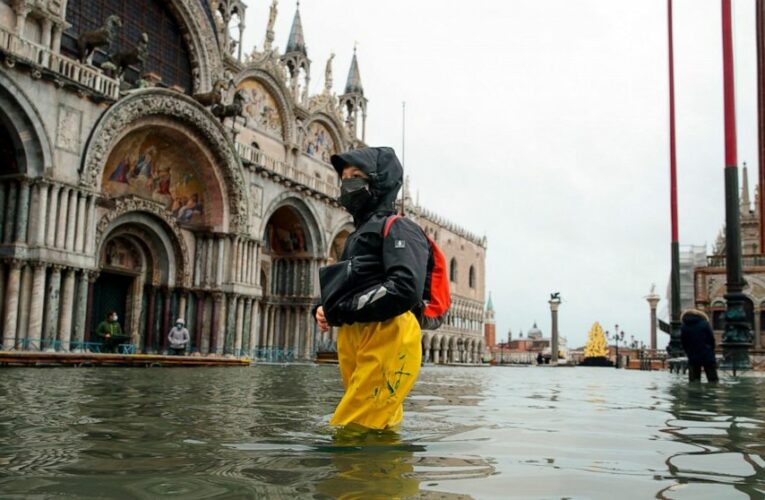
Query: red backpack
x=436 y=296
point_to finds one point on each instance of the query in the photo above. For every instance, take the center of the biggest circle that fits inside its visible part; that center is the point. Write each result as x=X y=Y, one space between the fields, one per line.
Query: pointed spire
x=296 y=42
x=745 y=205
x=353 y=85
x=489 y=304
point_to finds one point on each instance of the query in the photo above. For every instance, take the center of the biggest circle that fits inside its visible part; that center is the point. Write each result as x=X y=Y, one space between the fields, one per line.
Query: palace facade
x=151 y=166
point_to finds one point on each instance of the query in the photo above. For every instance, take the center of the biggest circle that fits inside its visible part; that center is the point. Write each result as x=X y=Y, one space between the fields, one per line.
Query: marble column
x=22 y=212
x=51 y=317
x=24 y=299
x=246 y=340
x=38 y=214
x=81 y=309
x=90 y=224
x=215 y=323
x=167 y=295
x=79 y=239
x=309 y=330
x=10 y=212
x=426 y=354
x=199 y=321
x=71 y=220
x=220 y=260
x=254 y=325
x=67 y=304
x=148 y=343
x=37 y=304
x=63 y=213
x=234 y=259
x=10 y=311
x=239 y=327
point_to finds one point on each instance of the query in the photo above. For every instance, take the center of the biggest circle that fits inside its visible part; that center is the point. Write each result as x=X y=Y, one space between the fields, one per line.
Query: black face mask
x=355 y=195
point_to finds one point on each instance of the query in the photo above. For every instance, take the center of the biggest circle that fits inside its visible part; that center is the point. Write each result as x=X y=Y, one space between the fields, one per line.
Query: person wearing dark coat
x=699 y=345
x=373 y=293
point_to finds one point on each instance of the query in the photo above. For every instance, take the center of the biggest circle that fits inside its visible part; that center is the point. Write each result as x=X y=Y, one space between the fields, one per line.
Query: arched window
x=168 y=53
x=471 y=277
x=453 y=270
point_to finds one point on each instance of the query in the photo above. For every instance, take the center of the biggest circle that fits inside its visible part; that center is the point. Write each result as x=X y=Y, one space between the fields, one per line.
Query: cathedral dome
x=535 y=332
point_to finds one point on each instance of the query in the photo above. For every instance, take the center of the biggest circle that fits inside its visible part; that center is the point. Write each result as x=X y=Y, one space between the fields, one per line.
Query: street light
x=617 y=337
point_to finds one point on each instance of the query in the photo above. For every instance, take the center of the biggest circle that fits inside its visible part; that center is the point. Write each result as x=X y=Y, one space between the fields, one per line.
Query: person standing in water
x=699 y=345
x=373 y=292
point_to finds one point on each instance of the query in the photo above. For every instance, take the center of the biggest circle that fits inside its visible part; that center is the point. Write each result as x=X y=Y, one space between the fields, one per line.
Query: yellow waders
x=379 y=363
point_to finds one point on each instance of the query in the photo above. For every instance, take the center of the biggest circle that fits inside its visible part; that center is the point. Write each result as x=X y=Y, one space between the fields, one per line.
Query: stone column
x=36 y=306
x=254 y=326
x=22 y=212
x=199 y=322
x=10 y=212
x=239 y=327
x=90 y=224
x=63 y=214
x=67 y=303
x=756 y=328
x=234 y=259
x=653 y=301
x=52 y=309
x=10 y=312
x=81 y=309
x=38 y=217
x=426 y=354
x=309 y=329
x=92 y=276
x=220 y=260
x=148 y=343
x=26 y=292
x=208 y=279
x=79 y=239
x=554 y=305
x=71 y=220
x=167 y=295
x=229 y=325
x=215 y=323
x=58 y=30
x=22 y=9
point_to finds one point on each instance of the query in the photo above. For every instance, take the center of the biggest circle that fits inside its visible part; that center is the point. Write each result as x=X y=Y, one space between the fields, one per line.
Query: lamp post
x=617 y=337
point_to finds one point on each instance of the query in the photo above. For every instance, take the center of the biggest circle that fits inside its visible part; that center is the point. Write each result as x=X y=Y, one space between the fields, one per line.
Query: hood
x=693 y=316
x=383 y=168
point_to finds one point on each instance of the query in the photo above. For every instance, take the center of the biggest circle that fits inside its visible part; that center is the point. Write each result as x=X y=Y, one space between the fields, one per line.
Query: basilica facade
x=153 y=167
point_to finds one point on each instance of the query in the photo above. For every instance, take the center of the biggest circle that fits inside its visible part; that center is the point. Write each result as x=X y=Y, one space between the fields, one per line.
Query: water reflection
x=467 y=432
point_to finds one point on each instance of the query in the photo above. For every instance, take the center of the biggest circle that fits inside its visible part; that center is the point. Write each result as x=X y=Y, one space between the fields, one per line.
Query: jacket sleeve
x=405 y=261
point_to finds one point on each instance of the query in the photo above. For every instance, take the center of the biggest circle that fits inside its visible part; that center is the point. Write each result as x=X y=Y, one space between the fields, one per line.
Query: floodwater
x=467 y=432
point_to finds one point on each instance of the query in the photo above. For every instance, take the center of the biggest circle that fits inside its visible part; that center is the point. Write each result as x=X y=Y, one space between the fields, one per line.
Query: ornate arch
x=279 y=92
x=134 y=209
x=26 y=124
x=306 y=213
x=175 y=106
x=328 y=122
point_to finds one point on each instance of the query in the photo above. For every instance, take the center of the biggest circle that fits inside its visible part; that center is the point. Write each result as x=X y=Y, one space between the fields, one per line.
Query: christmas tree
x=596 y=343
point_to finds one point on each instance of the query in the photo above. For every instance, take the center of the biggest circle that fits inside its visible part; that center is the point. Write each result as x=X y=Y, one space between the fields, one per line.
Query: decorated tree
x=596 y=343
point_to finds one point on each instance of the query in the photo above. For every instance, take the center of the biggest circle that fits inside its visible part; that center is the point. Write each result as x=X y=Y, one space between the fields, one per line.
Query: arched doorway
x=139 y=264
x=290 y=259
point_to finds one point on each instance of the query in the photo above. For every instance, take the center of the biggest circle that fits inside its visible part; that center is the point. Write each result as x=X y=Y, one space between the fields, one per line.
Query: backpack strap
x=389 y=223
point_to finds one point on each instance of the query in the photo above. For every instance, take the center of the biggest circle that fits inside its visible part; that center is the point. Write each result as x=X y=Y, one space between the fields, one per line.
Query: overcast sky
x=544 y=125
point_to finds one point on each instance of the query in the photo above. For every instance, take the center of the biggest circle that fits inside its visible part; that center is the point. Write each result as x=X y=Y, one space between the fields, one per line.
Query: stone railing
x=746 y=261
x=39 y=55
x=253 y=156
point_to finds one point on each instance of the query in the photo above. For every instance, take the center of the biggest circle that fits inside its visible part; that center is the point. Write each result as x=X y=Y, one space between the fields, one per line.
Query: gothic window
x=453 y=270
x=168 y=53
x=471 y=277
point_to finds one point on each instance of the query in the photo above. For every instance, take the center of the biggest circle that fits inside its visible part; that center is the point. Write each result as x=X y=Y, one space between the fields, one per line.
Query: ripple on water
x=480 y=432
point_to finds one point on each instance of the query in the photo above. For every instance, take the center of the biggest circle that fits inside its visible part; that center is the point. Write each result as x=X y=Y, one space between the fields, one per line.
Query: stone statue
x=135 y=56
x=653 y=288
x=272 y=16
x=236 y=108
x=102 y=37
x=328 y=73
x=212 y=97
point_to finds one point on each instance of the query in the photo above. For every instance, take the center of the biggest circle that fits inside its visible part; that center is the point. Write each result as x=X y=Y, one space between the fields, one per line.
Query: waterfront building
x=154 y=167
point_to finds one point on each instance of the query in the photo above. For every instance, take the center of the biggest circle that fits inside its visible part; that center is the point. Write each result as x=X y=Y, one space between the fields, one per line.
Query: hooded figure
x=372 y=291
x=699 y=345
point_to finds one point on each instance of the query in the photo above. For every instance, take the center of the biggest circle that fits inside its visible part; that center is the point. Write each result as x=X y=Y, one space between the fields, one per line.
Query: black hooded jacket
x=697 y=339
x=377 y=278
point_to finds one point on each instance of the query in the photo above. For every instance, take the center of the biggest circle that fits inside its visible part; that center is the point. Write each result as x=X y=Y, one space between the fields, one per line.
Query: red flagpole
x=674 y=348
x=728 y=87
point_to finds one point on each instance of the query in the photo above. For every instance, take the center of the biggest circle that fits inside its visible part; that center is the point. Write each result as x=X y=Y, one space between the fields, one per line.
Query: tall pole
x=760 y=19
x=554 y=305
x=674 y=348
x=653 y=301
x=737 y=337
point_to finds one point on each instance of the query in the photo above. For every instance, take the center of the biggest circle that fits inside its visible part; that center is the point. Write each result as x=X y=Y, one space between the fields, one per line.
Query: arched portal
x=140 y=260
x=290 y=254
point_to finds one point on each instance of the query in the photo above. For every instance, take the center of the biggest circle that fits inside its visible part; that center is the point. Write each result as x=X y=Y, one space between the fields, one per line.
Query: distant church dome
x=534 y=333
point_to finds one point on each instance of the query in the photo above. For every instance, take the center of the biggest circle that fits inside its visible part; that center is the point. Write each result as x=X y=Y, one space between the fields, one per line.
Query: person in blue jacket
x=699 y=344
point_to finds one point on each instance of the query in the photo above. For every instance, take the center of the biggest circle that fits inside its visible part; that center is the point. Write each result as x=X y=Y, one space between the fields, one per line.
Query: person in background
x=699 y=345
x=178 y=337
x=109 y=332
